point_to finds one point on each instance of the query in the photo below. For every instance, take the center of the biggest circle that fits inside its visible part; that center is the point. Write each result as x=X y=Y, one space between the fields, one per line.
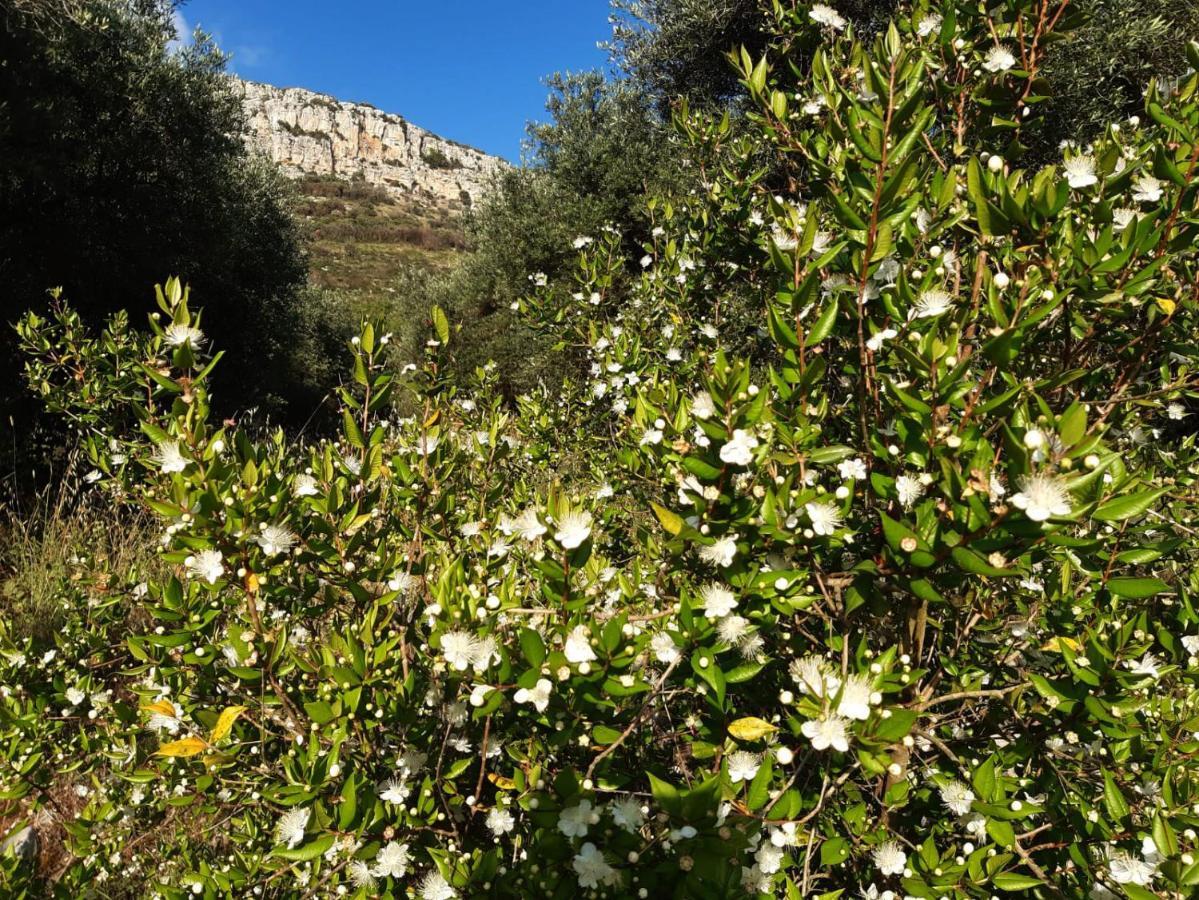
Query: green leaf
x=441 y=325
x=308 y=851
x=1013 y=881
x=319 y=711
x=972 y=562
x=665 y=793
x=1113 y=798
x=1136 y=588
x=823 y=326
x=897 y=725
x=1128 y=506
x=759 y=788
x=532 y=646
x=1072 y=424
x=703 y=663
x=1163 y=836
x=834 y=852
x=1001 y=832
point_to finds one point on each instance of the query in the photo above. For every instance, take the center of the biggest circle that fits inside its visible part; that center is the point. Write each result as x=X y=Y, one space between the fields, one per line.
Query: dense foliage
x=891 y=594
x=122 y=162
x=601 y=150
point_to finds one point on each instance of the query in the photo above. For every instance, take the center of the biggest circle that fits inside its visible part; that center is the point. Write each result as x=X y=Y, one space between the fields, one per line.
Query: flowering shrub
x=862 y=565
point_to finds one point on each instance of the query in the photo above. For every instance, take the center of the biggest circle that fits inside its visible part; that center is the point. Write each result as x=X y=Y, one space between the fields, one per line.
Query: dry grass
x=63 y=542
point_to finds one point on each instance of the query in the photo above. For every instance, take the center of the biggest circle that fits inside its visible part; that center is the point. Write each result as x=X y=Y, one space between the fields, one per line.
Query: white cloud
x=183 y=33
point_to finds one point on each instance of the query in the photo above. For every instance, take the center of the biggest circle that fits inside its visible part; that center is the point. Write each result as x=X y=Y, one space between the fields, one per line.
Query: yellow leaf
x=506 y=784
x=750 y=728
x=251 y=583
x=187 y=747
x=162 y=707
x=1165 y=305
x=670 y=521
x=225 y=723
x=1056 y=643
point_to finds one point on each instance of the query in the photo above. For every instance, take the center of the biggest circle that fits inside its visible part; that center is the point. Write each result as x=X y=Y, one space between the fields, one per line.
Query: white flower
x=289 y=829
x=485 y=654
x=206 y=565
x=392 y=861
x=411 y=762
x=1146 y=665
x=702 y=406
x=169 y=458
x=591 y=867
x=879 y=338
x=1147 y=189
x=459 y=649
x=539 y=696
x=433 y=886
x=395 y=791
x=813 y=676
x=626 y=813
x=718 y=601
x=743 y=765
x=769 y=858
x=527 y=525
x=928 y=24
x=732 y=629
x=574 y=821
x=890 y=858
x=825 y=517
x=275 y=539
x=1176 y=411
x=664 y=648
x=909 y=490
x=931 y=303
x=304 y=485
x=784 y=238
x=651 y=436
x=177 y=334
x=855 y=698
x=720 y=553
x=1042 y=496
x=957 y=797
x=832 y=731
x=999 y=59
x=361 y=875
x=1127 y=869
x=739 y=451
x=827 y=16
x=500 y=821
x=1190 y=643
x=1123 y=217
x=1080 y=171
x=578 y=646
x=852 y=469
x=573 y=529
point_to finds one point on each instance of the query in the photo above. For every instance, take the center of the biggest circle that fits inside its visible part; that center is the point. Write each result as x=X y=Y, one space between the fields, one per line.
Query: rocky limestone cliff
x=314 y=134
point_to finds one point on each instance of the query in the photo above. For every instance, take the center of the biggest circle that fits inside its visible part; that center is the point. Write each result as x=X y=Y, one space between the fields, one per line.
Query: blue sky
x=469 y=70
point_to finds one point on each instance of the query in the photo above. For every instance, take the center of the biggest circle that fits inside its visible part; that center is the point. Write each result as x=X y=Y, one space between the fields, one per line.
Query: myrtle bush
x=889 y=595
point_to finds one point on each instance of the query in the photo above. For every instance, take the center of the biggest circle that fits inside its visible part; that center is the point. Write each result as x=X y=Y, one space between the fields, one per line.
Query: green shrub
x=900 y=603
x=436 y=158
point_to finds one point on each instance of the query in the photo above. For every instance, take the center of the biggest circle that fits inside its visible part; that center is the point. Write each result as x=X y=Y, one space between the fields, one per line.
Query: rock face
x=314 y=134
